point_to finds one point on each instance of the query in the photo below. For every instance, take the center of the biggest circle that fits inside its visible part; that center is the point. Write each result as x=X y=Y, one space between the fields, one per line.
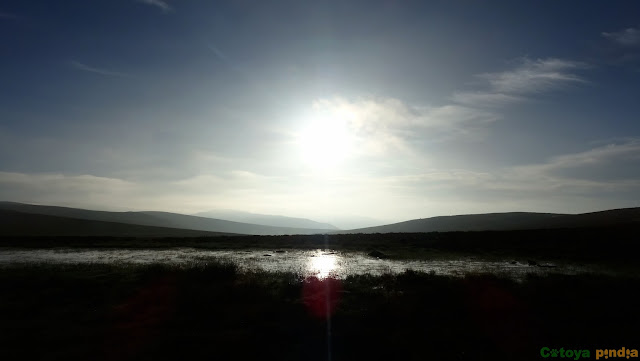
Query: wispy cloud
x=386 y=125
x=528 y=78
x=84 y=67
x=219 y=53
x=57 y=188
x=389 y=127
x=535 y=76
x=161 y=4
x=598 y=178
x=227 y=60
x=613 y=162
x=485 y=98
x=192 y=194
x=626 y=37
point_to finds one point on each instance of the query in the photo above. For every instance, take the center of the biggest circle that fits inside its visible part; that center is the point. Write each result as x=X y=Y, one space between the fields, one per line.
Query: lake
x=319 y=263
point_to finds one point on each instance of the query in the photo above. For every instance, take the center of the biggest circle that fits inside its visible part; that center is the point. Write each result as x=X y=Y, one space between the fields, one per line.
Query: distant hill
x=174 y=224
x=204 y=223
x=351 y=221
x=266 y=219
x=158 y=219
x=509 y=221
x=13 y=223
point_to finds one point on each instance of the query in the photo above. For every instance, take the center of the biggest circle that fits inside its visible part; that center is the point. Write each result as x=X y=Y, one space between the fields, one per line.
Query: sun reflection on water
x=322 y=265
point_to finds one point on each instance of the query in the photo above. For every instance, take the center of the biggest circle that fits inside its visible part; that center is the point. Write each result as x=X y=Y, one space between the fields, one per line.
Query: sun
x=326 y=140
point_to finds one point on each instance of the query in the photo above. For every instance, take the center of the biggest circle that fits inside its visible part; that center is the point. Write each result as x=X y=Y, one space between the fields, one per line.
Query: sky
x=393 y=110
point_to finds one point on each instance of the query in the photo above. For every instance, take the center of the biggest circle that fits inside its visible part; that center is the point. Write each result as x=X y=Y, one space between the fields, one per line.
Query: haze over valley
x=35 y=220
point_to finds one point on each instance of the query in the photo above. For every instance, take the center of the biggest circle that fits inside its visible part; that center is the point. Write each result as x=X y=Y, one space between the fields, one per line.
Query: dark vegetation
x=200 y=311
x=213 y=312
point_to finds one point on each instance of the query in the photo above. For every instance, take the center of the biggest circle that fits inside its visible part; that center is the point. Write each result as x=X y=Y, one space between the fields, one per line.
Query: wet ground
x=317 y=263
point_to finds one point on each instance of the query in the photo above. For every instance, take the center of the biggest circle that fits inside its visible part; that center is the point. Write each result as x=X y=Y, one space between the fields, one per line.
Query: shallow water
x=317 y=263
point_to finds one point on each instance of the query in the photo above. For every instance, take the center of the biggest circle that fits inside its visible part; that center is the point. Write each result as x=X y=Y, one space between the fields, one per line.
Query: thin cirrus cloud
x=486 y=99
x=535 y=76
x=60 y=188
x=162 y=5
x=219 y=53
x=581 y=174
x=105 y=72
x=225 y=59
x=628 y=37
x=384 y=124
x=608 y=165
x=188 y=195
x=528 y=78
x=389 y=127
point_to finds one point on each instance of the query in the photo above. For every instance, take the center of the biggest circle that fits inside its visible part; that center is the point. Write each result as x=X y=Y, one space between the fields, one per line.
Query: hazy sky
x=388 y=109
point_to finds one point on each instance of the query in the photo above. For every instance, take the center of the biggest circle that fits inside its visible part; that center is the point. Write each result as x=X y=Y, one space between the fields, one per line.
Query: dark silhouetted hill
x=205 y=223
x=469 y=222
x=13 y=223
x=158 y=219
x=509 y=221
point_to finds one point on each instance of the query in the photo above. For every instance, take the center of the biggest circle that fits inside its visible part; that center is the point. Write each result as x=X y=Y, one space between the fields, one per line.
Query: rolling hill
x=14 y=223
x=158 y=219
x=19 y=217
x=266 y=219
x=509 y=221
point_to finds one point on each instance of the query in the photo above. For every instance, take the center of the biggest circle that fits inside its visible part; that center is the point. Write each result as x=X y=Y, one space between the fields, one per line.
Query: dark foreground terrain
x=214 y=312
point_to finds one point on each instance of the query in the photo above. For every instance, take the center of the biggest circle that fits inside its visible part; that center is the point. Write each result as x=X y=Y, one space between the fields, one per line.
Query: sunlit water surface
x=317 y=263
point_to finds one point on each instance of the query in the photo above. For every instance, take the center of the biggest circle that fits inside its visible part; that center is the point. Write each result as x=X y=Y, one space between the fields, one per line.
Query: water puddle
x=317 y=263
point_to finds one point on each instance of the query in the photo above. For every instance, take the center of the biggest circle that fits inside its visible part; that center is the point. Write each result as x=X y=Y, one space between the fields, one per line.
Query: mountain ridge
x=15 y=223
x=508 y=221
x=158 y=219
x=265 y=219
x=467 y=222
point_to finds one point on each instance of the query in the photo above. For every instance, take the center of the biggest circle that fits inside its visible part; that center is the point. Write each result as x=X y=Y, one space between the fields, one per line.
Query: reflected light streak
x=322 y=265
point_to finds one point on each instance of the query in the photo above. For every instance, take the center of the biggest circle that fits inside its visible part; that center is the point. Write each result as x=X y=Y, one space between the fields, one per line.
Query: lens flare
x=321 y=296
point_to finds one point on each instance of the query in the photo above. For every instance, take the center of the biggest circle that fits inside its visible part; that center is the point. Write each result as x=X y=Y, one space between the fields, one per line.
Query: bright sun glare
x=322 y=265
x=326 y=140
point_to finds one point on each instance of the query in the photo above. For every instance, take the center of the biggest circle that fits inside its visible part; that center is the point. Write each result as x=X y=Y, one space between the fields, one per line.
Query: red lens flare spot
x=321 y=296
